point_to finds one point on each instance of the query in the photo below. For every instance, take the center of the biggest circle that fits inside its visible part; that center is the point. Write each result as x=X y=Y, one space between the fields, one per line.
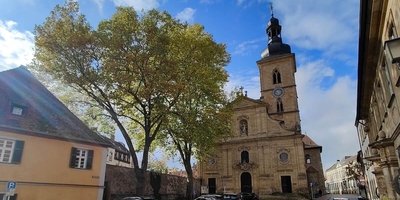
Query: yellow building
x=44 y=148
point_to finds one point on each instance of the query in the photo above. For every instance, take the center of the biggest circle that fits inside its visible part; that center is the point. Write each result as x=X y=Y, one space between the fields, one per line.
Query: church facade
x=267 y=152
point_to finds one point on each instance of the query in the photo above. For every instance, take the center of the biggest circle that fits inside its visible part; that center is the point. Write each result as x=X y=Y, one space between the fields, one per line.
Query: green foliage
x=158 y=165
x=353 y=170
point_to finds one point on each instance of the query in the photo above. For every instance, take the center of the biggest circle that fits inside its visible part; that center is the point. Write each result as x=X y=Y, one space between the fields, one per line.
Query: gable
x=248 y=103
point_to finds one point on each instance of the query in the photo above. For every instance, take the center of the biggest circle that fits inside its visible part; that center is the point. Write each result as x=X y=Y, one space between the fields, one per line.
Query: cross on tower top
x=271 y=9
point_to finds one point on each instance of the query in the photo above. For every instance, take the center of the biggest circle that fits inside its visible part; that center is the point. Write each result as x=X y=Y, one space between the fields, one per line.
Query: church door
x=286 y=184
x=212 y=186
x=245 y=181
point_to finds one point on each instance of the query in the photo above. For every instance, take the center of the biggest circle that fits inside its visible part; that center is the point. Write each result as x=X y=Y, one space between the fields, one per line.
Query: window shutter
x=89 y=159
x=18 y=149
x=73 y=157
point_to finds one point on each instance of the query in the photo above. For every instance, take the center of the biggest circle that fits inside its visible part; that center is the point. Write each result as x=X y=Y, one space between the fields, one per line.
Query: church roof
x=309 y=143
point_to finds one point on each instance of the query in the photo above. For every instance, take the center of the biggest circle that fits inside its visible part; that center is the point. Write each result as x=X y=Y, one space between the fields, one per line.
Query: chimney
x=112 y=137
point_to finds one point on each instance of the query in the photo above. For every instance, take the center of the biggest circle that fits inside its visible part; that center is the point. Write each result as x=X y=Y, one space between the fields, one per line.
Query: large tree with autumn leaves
x=134 y=67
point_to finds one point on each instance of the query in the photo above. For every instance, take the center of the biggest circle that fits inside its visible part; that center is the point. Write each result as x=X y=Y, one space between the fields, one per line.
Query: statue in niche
x=243 y=127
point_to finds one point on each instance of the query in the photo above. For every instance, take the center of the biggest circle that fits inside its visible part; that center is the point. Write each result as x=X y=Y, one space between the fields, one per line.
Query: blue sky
x=322 y=34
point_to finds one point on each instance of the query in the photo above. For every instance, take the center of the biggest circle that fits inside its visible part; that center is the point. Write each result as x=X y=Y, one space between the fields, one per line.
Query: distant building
x=378 y=103
x=117 y=153
x=182 y=172
x=267 y=152
x=45 y=148
x=337 y=181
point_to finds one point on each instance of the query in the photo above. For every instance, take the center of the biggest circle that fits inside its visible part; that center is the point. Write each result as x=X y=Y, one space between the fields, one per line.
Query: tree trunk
x=189 y=172
x=140 y=180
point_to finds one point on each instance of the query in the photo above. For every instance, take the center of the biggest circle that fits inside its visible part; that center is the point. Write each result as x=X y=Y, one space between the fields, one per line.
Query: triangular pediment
x=260 y=123
x=246 y=102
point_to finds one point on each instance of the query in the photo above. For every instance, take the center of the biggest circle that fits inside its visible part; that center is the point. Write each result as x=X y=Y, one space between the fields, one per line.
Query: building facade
x=337 y=181
x=378 y=102
x=117 y=153
x=44 y=148
x=266 y=153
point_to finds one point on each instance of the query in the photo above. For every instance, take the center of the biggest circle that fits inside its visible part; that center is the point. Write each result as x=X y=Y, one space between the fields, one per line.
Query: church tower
x=277 y=77
x=266 y=152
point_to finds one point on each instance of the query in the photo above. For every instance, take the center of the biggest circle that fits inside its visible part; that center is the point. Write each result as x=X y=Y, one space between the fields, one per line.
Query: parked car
x=209 y=197
x=248 y=196
x=231 y=196
x=132 y=198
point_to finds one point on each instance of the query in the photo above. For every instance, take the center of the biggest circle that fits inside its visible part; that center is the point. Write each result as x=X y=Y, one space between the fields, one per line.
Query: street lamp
x=392 y=50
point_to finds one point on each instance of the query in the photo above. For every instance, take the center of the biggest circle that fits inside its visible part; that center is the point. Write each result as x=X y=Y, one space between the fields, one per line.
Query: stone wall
x=120 y=182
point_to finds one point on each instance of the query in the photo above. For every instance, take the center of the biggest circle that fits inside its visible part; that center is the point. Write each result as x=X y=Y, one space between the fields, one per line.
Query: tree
x=201 y=117
x=129 y=67
x=158 y=165
x=353 y=171
x=194 y=131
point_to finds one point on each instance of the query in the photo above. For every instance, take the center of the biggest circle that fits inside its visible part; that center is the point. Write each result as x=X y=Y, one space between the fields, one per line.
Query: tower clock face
x=278 y=92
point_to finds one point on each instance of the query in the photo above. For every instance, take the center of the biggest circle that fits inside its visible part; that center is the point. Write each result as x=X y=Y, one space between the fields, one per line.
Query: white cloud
x=331 y=26
x=186 y=14
x=16 y=48
x=247 y=80
x=239 y=2
x=245 y=48
x=99 y=4
x=138 y=4
x=328 y=114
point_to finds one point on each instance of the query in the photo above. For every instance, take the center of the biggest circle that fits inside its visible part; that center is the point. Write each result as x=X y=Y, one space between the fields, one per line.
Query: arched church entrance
x=245 y=182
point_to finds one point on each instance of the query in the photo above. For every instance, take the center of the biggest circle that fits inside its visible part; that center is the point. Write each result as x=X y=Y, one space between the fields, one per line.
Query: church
x=267 y=152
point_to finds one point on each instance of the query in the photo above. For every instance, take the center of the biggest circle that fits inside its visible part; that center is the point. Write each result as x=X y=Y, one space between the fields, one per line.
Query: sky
x=322 y=34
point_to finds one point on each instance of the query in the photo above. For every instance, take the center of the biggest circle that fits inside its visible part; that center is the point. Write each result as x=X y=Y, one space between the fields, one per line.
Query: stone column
x=389 y=165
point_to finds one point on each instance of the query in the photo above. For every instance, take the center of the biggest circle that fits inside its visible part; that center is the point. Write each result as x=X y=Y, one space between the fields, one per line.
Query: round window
x=283 y=157
x=211 y=161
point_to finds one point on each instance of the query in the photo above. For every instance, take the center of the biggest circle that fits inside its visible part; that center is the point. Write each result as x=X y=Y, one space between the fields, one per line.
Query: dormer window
x=17 y=109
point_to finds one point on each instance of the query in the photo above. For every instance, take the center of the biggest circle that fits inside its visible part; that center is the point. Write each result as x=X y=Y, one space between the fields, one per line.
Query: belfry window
x=308 y=159
x=243 y=127
x=244 y=157
x=279 y=106
x=276 y=77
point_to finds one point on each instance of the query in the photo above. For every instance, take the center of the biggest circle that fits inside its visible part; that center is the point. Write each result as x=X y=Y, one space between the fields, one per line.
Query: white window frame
x=111 y=156
x=3 y=148
x=17 y=110
x=79 y=157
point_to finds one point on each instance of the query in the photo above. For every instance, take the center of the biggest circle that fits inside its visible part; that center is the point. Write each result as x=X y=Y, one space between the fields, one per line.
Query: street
x=332 y=196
